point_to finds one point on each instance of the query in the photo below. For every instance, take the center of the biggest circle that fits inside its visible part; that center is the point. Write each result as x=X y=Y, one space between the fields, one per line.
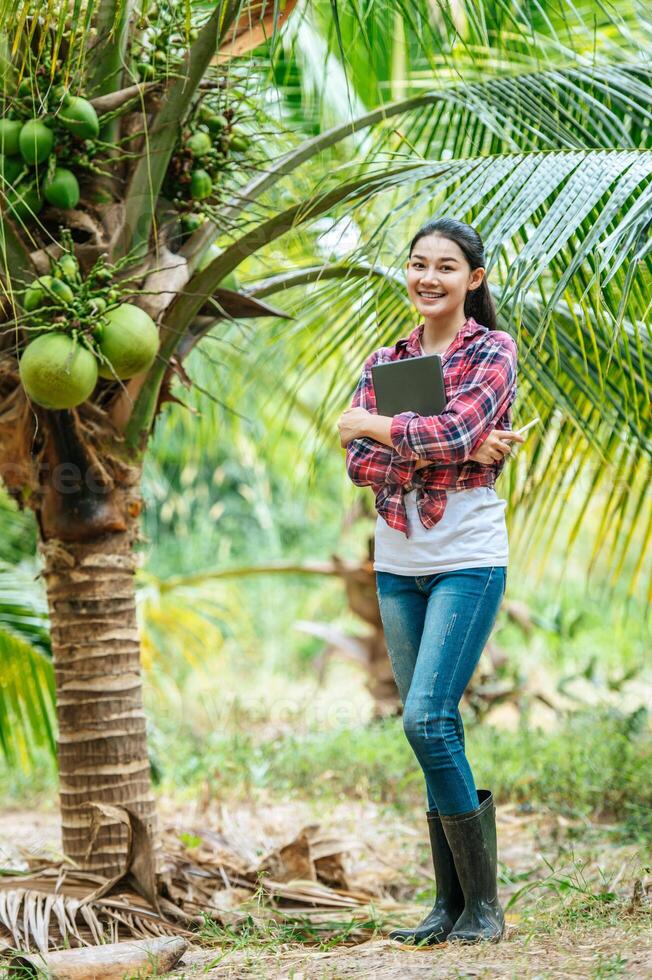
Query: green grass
x=598 y=766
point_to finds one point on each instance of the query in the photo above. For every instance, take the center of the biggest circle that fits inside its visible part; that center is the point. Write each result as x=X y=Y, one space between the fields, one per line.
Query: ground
x=584 y=909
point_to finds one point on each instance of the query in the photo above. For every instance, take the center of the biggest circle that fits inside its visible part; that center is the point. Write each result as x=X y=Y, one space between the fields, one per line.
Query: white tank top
x=471 y=534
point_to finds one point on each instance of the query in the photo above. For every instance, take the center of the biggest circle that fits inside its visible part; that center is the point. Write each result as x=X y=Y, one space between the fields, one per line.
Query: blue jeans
x=436 y=626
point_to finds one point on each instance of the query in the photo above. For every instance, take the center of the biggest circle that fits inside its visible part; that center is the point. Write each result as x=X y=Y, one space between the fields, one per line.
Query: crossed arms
x=486 y=390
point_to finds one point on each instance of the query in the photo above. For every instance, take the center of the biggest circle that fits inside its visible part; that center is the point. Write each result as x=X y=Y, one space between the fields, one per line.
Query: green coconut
x=129 y=342
x=199 y=144
x=56 y=372
x=191 y=222
x=35 y=294
x=62 y=190
x=79 y=117
x=23 y=203
x=35 y=141
x=61 y=293
x=216 y=124
x=47 y=291
x=10 y=168
x=239 y=141
x=201 y=185
x=9 y=133
x=146 y=71
x=67 y=268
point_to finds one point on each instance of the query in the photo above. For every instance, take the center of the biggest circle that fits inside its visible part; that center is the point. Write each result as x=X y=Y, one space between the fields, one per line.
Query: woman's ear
x=476 y=278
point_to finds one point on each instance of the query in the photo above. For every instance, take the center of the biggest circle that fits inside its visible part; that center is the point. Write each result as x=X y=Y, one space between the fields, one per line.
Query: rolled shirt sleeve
x=485 y=391
x=368 y=462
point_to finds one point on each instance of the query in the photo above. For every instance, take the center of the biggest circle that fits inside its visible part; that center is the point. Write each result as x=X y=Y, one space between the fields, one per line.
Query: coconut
x=56 y=372
x=79 y=116
x=146 y=71
x=239 y=141
x=61 y=293
x=10 y=168
x=199 y=144
x=47 y=291
x=35 y=294
x=67 y=268
x=216 y=123
x=9 y=133
x=23 y=202
x=62 y=189
x=191 y=222
x=129 y=342
x=201 y=185
x=35 y=141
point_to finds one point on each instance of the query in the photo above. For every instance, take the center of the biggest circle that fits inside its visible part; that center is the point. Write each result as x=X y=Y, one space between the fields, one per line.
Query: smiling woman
x=441 y=553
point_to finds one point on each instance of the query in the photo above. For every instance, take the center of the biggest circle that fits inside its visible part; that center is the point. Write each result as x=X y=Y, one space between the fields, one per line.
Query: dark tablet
x=415 y=384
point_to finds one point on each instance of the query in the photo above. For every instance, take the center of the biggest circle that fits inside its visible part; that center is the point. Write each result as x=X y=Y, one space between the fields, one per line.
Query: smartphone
x=524 y=428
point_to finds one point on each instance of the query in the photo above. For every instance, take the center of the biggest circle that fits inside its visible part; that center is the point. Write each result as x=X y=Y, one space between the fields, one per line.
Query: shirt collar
x=411 y=344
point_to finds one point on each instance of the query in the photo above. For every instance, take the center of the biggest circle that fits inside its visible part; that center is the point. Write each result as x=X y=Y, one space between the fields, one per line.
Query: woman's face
x=439 y=277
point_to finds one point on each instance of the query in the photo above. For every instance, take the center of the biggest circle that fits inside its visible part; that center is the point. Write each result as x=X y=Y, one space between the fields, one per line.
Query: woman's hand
x=496 y=446
x=352 y=423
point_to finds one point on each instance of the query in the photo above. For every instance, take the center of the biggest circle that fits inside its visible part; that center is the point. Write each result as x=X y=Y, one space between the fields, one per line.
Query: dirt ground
x=559 y=928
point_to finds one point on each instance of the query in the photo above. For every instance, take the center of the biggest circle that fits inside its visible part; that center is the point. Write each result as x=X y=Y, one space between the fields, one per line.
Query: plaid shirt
x=479 y=370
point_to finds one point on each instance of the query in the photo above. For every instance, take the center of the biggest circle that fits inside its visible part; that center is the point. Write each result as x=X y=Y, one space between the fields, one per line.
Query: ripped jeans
x=436 y=626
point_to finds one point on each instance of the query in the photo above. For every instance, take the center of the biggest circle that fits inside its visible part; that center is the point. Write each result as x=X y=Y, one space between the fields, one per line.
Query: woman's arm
x=369 y=462
x=454 y=434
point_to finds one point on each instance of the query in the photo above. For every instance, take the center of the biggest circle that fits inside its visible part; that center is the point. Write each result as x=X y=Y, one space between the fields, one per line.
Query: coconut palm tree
x=178 y=192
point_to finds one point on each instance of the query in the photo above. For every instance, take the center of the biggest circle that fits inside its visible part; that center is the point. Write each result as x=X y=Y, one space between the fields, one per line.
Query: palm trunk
x=102 y=740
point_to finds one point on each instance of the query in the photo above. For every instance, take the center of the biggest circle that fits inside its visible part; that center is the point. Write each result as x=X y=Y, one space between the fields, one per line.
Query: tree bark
x=102 y=737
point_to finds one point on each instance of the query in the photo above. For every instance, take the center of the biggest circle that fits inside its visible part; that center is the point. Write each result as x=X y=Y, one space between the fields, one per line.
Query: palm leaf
x=26 y=674
x=24 y=20
x=508 y=122
x=27 y=701
x=16 y=266
x=108 y=53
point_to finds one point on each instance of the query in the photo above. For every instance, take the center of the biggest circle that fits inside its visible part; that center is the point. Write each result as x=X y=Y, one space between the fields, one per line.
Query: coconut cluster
x=84 y=331
x=162 y=39
x=207 y=141
x=32 y=148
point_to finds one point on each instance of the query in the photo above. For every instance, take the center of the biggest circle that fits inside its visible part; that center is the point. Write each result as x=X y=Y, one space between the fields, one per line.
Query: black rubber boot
x=450 y=899
x=472 y=840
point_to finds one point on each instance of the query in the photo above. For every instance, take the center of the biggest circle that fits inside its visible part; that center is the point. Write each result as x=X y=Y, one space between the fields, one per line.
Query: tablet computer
x=414 y=384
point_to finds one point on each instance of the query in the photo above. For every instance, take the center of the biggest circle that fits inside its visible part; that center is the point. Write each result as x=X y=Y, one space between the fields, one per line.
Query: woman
x=441 y=553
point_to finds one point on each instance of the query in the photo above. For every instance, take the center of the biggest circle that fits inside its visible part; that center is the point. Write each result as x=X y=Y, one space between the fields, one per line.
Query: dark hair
x=479 y=302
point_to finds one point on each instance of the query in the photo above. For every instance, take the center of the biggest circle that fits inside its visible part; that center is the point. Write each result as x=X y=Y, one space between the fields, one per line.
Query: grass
x=597 y=766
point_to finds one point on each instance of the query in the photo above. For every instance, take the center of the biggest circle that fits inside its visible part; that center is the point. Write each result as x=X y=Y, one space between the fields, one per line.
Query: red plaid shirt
x=479 y=370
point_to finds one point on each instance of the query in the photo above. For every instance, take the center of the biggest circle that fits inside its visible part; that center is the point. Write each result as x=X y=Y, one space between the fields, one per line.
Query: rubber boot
x=450 y=899
x=472 y=840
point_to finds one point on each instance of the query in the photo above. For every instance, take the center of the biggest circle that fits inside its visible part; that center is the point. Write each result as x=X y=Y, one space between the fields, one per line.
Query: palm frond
x=507 y=114
x=27 y=705
x=26 y=24
x=27 y=701
x=108 y=53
